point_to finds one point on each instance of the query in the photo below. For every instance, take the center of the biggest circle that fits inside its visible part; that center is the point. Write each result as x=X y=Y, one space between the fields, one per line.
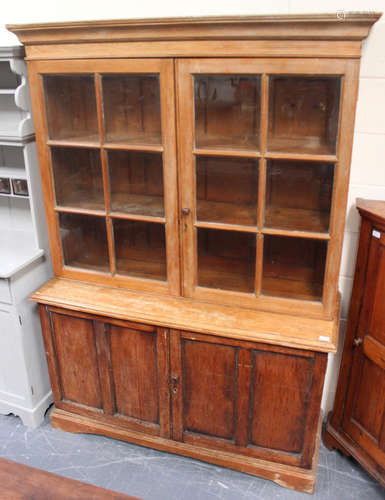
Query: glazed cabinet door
x=364 y=414
x=262 y=174
x=113 y=371
x=257 y=400
x=106 y=139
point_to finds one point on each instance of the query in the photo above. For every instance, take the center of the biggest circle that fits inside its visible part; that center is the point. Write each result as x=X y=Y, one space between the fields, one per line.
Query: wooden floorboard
x=21 y=482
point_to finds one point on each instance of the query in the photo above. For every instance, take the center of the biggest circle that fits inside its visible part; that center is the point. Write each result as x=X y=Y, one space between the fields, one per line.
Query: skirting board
x=285 y=475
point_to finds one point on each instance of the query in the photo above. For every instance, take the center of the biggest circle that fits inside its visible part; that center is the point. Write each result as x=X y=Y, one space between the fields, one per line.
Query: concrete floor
x=154 y=475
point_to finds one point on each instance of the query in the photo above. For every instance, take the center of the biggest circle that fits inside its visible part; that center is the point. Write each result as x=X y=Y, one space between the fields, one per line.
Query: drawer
x=5 y=292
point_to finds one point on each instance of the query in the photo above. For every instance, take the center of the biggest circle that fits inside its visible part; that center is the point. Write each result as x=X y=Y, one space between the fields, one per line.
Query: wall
x=368 y=163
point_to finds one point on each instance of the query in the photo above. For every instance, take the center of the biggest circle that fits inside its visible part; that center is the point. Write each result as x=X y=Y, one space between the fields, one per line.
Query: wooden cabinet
x=195 y=178
x=239 y=397
x=357 y=423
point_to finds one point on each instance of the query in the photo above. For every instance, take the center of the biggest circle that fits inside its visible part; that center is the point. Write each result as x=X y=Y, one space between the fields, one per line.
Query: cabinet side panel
x=281 y=386
x=77 y=361
x=134 y=368
x=209 y=377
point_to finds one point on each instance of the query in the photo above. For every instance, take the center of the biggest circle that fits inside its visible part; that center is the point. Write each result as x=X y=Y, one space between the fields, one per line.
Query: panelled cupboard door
x=257 y=400
x=264 y=151
x=113 y=371
x=364 y=414
x=106 y=139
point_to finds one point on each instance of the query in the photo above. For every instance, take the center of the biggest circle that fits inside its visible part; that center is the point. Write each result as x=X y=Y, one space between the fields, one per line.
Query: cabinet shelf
x=17 y=251
x=297 y=219
x=228 y=213
x=13 y=172
x=138 y=204
x=302 y=290
x=87 y=141
x=238 y=153
x=135 y=146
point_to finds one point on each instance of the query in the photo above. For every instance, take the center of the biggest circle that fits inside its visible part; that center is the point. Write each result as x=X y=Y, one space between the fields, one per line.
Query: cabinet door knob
x=357 y=342
x=185 y=211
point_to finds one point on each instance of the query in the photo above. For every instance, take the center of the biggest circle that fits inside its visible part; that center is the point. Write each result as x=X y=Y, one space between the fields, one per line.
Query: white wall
x=368 y=163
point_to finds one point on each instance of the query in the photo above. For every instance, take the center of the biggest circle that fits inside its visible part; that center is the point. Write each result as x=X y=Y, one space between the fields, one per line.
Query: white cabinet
x=24 y=253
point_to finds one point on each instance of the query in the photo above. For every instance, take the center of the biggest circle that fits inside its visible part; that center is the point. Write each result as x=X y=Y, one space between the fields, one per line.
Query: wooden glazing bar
x=73 y=143
x=300 y=157
x=145 y=218
x=259 y=265
x=226 y=152
x=264 y=112
x=261 y=193
x=229 y=227
x=83 y=211
x=133 y=147
x=111 y=245
x=296 y=234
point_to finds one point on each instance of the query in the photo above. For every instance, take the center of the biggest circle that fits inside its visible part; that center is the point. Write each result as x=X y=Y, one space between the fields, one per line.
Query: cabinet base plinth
x=334 y=439
x=288 y=476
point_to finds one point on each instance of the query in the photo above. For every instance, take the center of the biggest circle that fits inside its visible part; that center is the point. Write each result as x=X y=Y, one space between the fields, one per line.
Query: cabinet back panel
x=209 y=378
x=71 y=107
x=74 y=340
x=281 y=387
x=131 y=108
x=134 y=370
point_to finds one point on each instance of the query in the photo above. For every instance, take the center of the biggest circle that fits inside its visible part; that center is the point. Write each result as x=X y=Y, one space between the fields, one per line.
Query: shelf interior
x=298 y=195
x=227 y=190
x=71 y=107
x=226 y=260
x=131 y=108
x=77 y=176
x=84 y=241
x=303 y=114
x=227 y=111
x=293 y=267
x=18 y=245
x=140 y=249
x=136 y=182
x=9 y=81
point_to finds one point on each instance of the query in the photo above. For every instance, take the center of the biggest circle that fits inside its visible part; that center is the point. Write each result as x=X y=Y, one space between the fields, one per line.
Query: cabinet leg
x=332 y=444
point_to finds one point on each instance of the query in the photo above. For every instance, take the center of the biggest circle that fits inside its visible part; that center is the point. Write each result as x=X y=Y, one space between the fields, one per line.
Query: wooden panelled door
x=364 y=414
x=123 y=374
x=242 y=397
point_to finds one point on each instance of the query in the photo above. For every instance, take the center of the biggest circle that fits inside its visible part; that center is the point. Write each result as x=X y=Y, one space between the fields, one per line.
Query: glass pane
x=293 y=267
x=136 y=182
x=303 y=114
x=20 y=187
x=227 y=190
x=77 y=176
x=71 y=107
x=299 y=195
x=226 y=259
x=131 y=105
x=140 y=249
x=227 y=111
x=5 y=185
x=84 y=241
